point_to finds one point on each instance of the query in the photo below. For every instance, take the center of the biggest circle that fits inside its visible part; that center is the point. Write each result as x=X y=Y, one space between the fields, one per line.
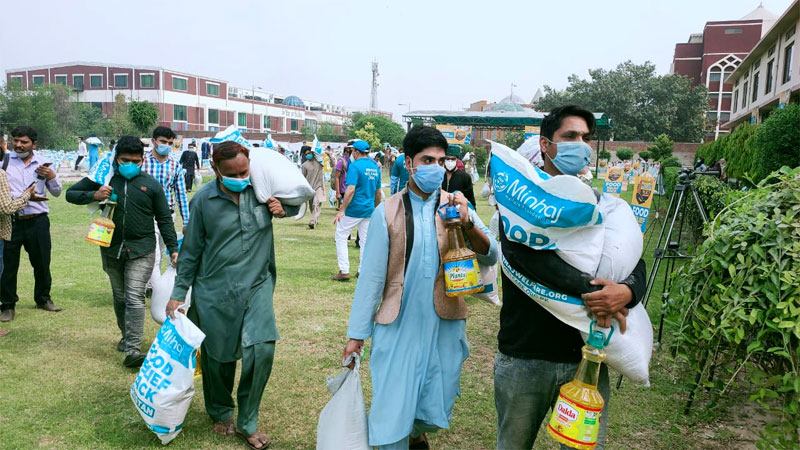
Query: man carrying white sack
x=537 y=352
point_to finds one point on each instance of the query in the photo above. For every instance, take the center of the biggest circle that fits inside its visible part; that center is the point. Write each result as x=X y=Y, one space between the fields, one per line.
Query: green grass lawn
x=63 y=384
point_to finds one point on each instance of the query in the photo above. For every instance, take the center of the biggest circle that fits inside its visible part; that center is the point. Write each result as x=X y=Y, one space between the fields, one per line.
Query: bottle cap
x=112 y=198
x=597 y=340
x=451 y=212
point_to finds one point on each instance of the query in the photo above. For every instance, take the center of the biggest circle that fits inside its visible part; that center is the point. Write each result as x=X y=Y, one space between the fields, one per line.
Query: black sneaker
x=133 y=360
x=148 y=292
x=121 y=345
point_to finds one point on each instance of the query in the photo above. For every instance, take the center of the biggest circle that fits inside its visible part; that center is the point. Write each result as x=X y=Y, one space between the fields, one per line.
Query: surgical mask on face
x=163 y=149
x=450 y=165
x=23 y=155
x=235 y=184
x=429 y=177
x=572 y=157
x=129 y=170
x=308 y=157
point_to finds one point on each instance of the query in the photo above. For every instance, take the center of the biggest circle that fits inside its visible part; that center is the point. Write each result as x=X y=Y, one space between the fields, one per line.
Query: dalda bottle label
x=461 y=276
x=99 y=234
x=575 y=423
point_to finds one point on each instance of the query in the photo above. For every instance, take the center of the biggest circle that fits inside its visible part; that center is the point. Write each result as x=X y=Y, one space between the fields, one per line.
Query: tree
x=513 y=139
x=90 y=120
x=369 y=134
x=325 y=131
x=120 y=121
x=777 y=142
x=604 y=154
x=645 y=156
x=143 y=116
x=661 y=148
x=641 y=104
x=387 y=130
x=46 y=108
x=624 y=153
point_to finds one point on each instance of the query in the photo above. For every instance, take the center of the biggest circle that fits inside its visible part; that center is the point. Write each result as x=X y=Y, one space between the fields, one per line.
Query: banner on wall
x=643 y=198
x=613 y=181
x=531 y=131
x=455 y=134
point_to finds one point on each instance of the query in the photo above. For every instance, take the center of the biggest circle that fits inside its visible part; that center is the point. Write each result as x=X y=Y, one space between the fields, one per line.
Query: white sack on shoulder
x=273 y=175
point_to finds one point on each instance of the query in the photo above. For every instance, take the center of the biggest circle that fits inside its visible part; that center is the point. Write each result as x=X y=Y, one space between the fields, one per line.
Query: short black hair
x=25 y=131
x=421 y=137
x=163 y=132
x=553 y=120
x=130 y=145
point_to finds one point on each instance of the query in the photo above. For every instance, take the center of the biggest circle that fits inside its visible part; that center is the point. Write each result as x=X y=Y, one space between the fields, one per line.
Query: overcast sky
x=432 y=54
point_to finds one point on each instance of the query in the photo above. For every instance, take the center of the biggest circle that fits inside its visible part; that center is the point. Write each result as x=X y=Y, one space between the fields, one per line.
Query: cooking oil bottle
x=102 y=229
x=576 y=414
x=461 y=273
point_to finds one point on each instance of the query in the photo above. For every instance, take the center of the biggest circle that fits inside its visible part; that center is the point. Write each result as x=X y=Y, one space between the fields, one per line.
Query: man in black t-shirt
x=454 y=178
x=537 y=353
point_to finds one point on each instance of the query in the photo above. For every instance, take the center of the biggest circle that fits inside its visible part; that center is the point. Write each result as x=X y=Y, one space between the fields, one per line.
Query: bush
x=714 y=194
x=644 y=156
x=662 y=147
x=737 y=305
x=671 y=162
x=624 y=153
x=777 y=142
x=670 y=178
x=604 y=154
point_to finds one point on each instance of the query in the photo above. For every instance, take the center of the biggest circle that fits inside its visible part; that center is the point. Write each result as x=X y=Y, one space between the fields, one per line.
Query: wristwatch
x=469 y=225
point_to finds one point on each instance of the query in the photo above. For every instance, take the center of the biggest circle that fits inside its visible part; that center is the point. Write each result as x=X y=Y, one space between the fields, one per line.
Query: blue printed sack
x=164 y=386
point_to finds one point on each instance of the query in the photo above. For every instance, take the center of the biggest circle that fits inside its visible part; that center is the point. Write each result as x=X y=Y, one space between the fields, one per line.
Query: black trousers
x=78 y=161
x=34 y=236
x=189 y=180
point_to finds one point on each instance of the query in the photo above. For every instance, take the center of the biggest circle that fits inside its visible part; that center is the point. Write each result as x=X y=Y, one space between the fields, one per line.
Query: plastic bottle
x=102 y=229
x=576 y=414
x=461 y=273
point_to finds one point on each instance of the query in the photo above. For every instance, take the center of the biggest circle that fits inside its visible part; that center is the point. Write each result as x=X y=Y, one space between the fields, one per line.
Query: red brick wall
x=191 y=83
x=138 y=78
x=120 y=71
x=716 y=41
x=684 y=151
x=223 y=88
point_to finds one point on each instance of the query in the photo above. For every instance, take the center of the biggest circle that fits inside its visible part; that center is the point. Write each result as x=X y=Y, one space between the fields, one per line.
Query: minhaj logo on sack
x=500 y=182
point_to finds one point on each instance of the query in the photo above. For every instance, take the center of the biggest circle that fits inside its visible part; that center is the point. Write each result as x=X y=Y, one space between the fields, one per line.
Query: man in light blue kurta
x=416 y=359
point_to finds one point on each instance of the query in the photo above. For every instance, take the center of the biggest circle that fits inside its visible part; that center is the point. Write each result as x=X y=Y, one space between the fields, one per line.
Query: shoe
x=121 y=345
x=4 y=333
x=133 y=360
x=7 y=315
x=341 y=276
x=311 y=225
x=48 y=306
x=148 y=292
x=357 y=274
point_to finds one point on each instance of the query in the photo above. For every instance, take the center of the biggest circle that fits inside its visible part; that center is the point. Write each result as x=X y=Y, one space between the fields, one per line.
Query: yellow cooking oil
x=102 y=228
x=461 y=273
x=576 y=414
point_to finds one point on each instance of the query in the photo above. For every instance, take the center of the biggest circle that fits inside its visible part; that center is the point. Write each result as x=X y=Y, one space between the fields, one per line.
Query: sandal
x=224 y=427
x=420 y=442
x=259 y=436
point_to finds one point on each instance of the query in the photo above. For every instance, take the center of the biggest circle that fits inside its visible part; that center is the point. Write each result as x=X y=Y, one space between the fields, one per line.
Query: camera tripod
x=669 y=249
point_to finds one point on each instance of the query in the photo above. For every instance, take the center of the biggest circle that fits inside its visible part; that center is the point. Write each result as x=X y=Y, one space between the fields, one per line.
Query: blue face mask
x=235 y=184
x=163 y=150
x=429 y=177
x=129 y=170
x=309 y=156
x=572 y=157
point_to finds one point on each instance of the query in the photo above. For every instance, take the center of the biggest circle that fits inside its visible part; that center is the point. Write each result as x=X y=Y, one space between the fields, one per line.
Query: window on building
x=733 y=31
x=242 y=119
x=715 y=76
x=179 y=113
x=212 y=89
x=735 y=100
x=790 y=32
x=77 y=82
x=726 y=95
x=147 y=80
x=294 y=125
x=180 y=84
x=771 y=51
x=61 y=79
x=16 y=79
x=213 y=116
x=713 y=96
x=97 y=105
x=724 y=116
x=711 y=116
x=96 y=81
x=267 y=122
x=121 y=80
x=38 y=80
x=311 y=124
x=744 y=94
x=755 y=87
x=770 y=75
x=787 y=63
x=726 y=75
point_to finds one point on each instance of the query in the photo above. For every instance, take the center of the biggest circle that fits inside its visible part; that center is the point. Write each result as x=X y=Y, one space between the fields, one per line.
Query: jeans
x=34 y=236
x=343 y=229
x=524 y=392
x=128 y=281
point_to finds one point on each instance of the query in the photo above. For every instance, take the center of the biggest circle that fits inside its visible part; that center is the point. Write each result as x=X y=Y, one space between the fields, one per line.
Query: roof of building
x=495 y=119
x=760 y=13
x=537 y=96
x=293 y=100
x=767 y=39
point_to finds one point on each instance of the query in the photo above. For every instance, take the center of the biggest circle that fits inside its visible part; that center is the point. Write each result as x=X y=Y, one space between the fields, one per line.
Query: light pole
x=405 y=104
x=253 y=104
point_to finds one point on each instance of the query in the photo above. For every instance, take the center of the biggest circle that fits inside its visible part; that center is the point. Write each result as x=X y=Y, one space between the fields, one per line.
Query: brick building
x=710 y=57
x=186 y=102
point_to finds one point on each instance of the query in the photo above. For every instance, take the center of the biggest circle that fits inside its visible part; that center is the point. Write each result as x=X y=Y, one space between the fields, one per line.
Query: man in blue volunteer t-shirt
x=360 y=199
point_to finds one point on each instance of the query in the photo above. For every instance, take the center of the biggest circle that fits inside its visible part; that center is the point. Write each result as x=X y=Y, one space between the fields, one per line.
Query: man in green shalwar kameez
x=228 y=259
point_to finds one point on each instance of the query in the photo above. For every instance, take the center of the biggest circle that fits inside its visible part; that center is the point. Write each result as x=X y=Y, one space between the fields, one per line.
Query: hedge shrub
x=624 y=153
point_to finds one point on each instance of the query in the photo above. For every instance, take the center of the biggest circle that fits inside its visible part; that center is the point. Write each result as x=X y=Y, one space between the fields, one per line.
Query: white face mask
x=449 y=165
